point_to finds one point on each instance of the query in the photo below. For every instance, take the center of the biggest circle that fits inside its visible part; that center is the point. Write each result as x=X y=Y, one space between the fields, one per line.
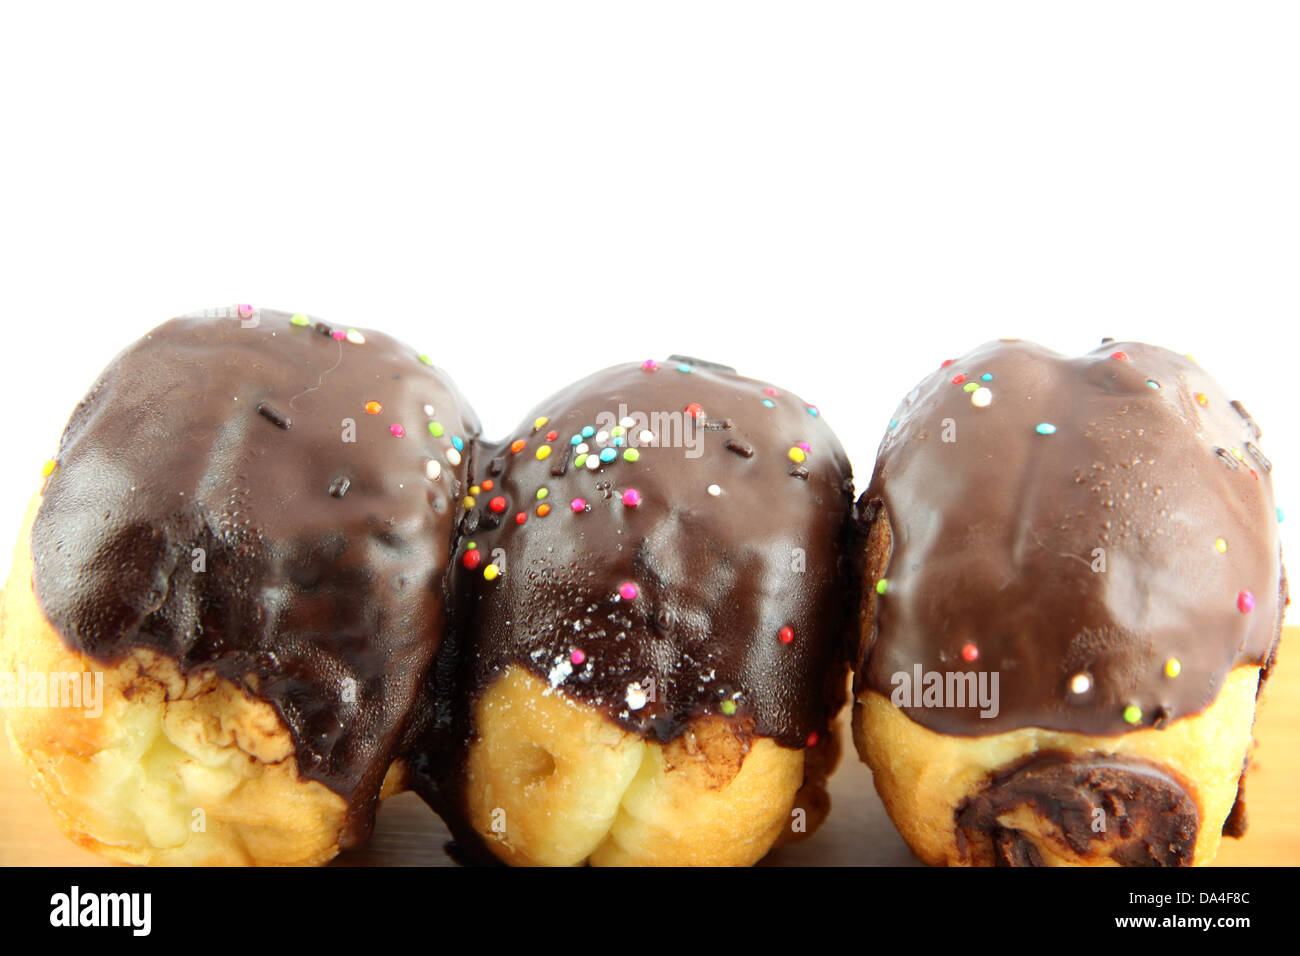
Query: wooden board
x=857 y=833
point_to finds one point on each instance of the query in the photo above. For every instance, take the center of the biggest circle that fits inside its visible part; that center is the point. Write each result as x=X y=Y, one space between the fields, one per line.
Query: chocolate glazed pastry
x=648 y=656
x=1072 y=596
x=245 y=534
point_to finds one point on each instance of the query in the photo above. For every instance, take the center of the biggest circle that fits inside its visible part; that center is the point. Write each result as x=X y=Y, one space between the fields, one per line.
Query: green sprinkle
x=580 y=461
x=1133 y=714
x=426 y=360
x=882 y=585
x=435 y=429
x=728 y=707
x=542 y=493
x=631 y=455
x=300 y=319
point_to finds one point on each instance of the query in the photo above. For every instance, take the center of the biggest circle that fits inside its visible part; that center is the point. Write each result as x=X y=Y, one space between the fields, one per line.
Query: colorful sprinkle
x=396 y=430
x=986 y=377
x=958 y=378
x=577 y=504
x=491 y=572
x=1119 y=356
x=355 y=337
x=1045 y=428
x=1220 y=545
x=539 y=422
x=552 y=435
x=628 y=591
x=694 y=409
x=435 y=429
x=299 y=319
x=1201 y=399
x=981 y=397
x=771 y=391
x=457 y=443
x=1152 y=383
x=1281 y=515
x=542 y=493
x=373 y=408
x=786 y=634
x=517 y=446
x=593 y=462
x=812 y=410
x=882 y=585
x=428 y=411
x=812 y=739
x=650 y=365
x=945 y=363
x=608 y=454
x=453 y=456
x=338 y=335
x=631 y=498
x=1133 y=714
x=543 y=452
x=970 y=652
x=543 y=510
x=636 y=697
x=425 y=359
x=580 y=460
x=728 y=707
x=1173 y=667
x=683 y=367
x=521 y=517
x=797 y=454
x=714 y=490
x=1245 y=602
x=488 y=484
x=631 y=455
x=245 y=310
x=432 y=470
x=1080 y=684
x=588 y=431
x=467 y=502
x=970 y=386
x=498 y=504
x=47 y=469
x=577 y=657
x=768 y=403
x=472 y=558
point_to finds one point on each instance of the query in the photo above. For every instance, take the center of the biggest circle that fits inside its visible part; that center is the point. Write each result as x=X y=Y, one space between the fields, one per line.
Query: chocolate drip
x=1077 y=533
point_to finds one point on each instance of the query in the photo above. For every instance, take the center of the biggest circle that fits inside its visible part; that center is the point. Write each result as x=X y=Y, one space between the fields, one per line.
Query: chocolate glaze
x=325 y=558
x=994 y=538
x=1150 y=818
x=717 y=575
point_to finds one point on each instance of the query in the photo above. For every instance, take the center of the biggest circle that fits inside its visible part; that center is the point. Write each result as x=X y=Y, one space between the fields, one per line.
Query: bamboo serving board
x=857 y=833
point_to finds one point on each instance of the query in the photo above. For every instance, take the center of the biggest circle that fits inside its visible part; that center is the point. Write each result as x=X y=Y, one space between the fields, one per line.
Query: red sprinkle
x=1119 y=356
x=812 y=739
x=551 y=436
x=958 y=378
x=1245 y=602
x=786 y=634
x=497 y=504
x=945 y=363
x=472 y=558
x=694 y=409
x=520 y=518
x=970 y=652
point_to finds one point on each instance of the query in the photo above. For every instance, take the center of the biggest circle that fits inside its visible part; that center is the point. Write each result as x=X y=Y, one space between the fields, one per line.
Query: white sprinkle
x=428 y=410
x=356 y=338
x=560 y=671
x=646 y=437
x=453 y=456
x=593 y=462
x=1080 y=684
x=602 y=436
x=627 y=421
x=636 y=698
x=582 y=449
x=715 y=490
x=432 y=470
x=981 y=397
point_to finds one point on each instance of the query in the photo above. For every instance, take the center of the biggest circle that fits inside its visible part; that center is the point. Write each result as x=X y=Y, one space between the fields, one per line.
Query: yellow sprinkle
x=490 y=572
x=474 y=489
x=544 y=452
x=1220 y=545
x=469 y=502
x=1173 y=667
x=539 y=422
x=796 y=454
x=47 y=469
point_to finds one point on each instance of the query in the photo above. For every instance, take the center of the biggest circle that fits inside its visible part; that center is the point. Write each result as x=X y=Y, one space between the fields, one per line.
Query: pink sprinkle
x=631 y=497
x=1245 y=602
x=339 y=334
x=628 y=591
x=577 y=656
x=397 y=431
x=577 y=504
x=771 y=391
x=650 y=365
x=245 y=310
x=805 y=446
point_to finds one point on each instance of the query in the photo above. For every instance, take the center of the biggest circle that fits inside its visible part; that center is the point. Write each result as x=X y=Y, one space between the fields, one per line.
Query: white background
x=833 y=197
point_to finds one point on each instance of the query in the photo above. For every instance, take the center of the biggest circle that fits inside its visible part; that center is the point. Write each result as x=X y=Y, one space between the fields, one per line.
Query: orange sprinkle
x=543 y=510
x=488 y=484
x=373 y=408
x=517 y=446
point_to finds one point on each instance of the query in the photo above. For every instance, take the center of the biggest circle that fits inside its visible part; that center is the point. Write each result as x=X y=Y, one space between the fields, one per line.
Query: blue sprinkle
x=813 y=412
x=576 y=440
x=618 y=440
x=1046 y=428
x=683 y=367
x=458 y=443
x=1281 y=516
x=588 y=432
x=893 y=424
x=986 y=377
x=1152 y=383
x=608 y=454
x=768 y=403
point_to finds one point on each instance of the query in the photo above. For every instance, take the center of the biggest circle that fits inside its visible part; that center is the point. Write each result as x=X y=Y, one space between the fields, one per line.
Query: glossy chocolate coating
x=998 y=538
x=730 y=541
x=322 y=585
x=1150 y=818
